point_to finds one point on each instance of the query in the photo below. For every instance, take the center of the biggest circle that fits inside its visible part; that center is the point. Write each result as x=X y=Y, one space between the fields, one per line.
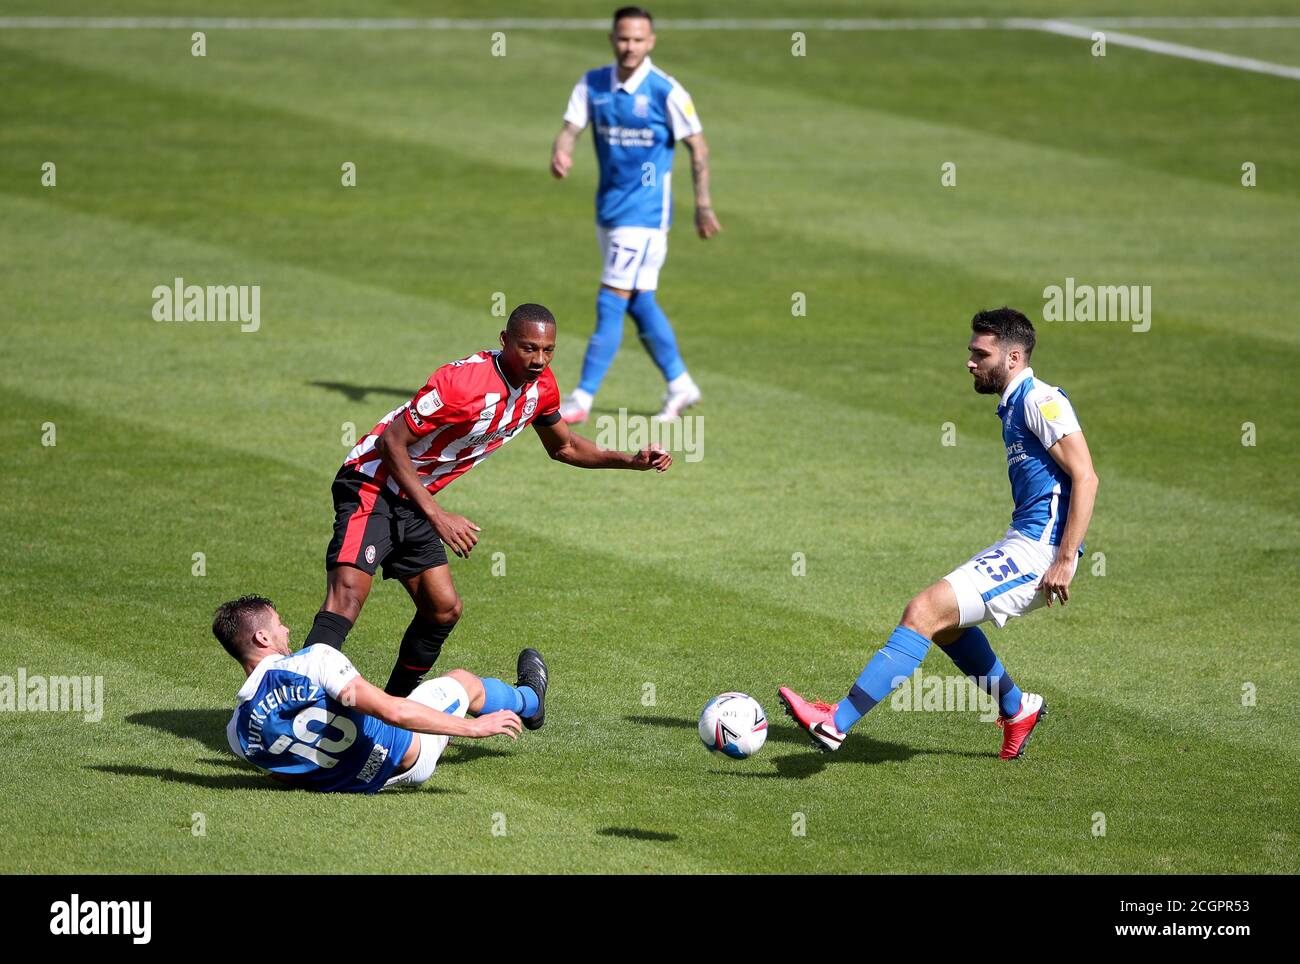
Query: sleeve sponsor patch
x=429 y=403
x=1050 y=408
x=688 y=108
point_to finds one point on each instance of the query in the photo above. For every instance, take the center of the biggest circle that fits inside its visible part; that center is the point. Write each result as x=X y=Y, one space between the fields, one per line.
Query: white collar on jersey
x=249 y=689
x=632 y=83
x=1014 y=383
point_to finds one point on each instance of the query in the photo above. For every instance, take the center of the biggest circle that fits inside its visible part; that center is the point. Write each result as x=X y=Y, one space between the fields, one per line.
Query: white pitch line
x=1172 y=50
x=554 y=23
x=1060 y=27
x=1197 y=23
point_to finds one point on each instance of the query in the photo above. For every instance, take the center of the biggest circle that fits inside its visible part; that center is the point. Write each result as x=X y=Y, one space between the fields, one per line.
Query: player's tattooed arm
x=394 y=449
x=564 y=446
x=418 y=718
x=706 y=222
x=1072 y=454
x=562 y=151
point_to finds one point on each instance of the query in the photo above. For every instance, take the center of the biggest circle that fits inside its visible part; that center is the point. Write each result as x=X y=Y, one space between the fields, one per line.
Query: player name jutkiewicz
x=53 y=694
x=181 y=302
x=1071 y=302
x=75 y=916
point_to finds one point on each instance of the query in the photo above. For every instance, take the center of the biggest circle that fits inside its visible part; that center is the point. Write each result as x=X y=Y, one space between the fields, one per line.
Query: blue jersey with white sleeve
x=1035 y=416
x=635 y=124
x=288 y=720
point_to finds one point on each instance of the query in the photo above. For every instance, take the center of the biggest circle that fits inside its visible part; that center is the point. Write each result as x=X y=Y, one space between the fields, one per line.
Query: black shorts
x=374 y=528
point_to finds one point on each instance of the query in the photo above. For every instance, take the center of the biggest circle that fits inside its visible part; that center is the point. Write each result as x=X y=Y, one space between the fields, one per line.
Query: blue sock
x=603 y=346
x=656 y=334
x=975 y=657
x=499 y=695
x=893 y=663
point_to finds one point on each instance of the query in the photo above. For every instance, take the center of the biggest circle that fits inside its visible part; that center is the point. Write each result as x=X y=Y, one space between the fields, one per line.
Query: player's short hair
x=625 y=13
x=1007 y=325
x=528 y=314
x=235 y=622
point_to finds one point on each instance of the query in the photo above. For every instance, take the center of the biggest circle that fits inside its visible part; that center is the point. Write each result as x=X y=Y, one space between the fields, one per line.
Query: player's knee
x=916 y=616
x=473 y=686
x=346 y=600
x=346 y=593
x=447 y=611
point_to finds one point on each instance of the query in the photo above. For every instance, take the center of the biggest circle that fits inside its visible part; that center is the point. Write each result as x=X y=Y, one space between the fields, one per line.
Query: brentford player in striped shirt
x=386 y=516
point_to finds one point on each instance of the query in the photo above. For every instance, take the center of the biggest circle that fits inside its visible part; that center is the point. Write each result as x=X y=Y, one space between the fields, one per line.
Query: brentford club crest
x=530 y=406
x=370 y=555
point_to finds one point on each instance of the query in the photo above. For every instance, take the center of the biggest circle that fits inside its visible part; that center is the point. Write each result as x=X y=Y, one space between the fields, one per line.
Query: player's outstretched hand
x=706 y=223
x=560 y=164
x=458 y=532
x=496 y=724
x=1056 y=582
x=652 y=458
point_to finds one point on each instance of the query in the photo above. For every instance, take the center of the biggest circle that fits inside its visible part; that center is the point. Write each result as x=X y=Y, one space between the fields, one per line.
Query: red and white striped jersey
x=465 y=412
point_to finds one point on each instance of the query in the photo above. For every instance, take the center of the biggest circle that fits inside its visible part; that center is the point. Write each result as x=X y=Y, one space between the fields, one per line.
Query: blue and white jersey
x=288 y=720
x=636 y=123
x=1035 y=416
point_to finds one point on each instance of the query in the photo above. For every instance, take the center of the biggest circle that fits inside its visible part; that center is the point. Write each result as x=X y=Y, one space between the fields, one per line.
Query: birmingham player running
x=385 y=512
x=1054 y=488
x=311 y=720
x=639 y=113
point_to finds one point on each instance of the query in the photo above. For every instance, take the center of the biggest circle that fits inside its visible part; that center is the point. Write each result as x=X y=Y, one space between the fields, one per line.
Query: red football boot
x=817 y=718
x=1016 y=729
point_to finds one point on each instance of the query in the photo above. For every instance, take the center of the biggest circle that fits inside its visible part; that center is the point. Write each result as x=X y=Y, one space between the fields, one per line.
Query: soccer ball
x=734 y=724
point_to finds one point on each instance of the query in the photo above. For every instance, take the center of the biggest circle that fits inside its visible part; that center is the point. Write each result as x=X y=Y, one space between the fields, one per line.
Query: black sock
x=421 y=645
x=330 y=629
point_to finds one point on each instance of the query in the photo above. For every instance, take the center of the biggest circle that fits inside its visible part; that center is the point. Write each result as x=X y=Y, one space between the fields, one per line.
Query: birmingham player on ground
x=1054 y=488
x=639 y=113
x=311 y=720
x=385 y=512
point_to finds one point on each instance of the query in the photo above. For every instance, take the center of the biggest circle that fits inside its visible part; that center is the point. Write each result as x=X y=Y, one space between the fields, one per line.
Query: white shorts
x=1003 y=580
x=632 y=257
x=443 y=693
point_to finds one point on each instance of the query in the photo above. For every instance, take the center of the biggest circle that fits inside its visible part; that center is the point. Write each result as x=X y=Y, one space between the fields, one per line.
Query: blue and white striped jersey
x=1035 y=416
x=288 y=720
x=635 y=124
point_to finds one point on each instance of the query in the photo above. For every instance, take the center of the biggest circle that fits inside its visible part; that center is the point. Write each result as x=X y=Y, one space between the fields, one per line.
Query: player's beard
x=992 y=382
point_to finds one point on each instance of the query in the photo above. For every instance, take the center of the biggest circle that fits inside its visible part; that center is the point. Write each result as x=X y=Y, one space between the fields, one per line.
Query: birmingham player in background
x=1054 y=488
x=385 y=511
x=311 y=720
x=639 y=113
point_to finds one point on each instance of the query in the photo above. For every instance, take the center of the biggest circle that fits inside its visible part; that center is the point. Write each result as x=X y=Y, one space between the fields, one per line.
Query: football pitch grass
x=1171 y=676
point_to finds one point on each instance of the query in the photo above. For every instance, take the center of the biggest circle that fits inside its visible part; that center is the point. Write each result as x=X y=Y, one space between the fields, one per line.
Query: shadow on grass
x=248 y=780
x=206 y=726
x=669 y=722
x=800 y=766
x=463 y=751
x=358 y=393
x=634 y=833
